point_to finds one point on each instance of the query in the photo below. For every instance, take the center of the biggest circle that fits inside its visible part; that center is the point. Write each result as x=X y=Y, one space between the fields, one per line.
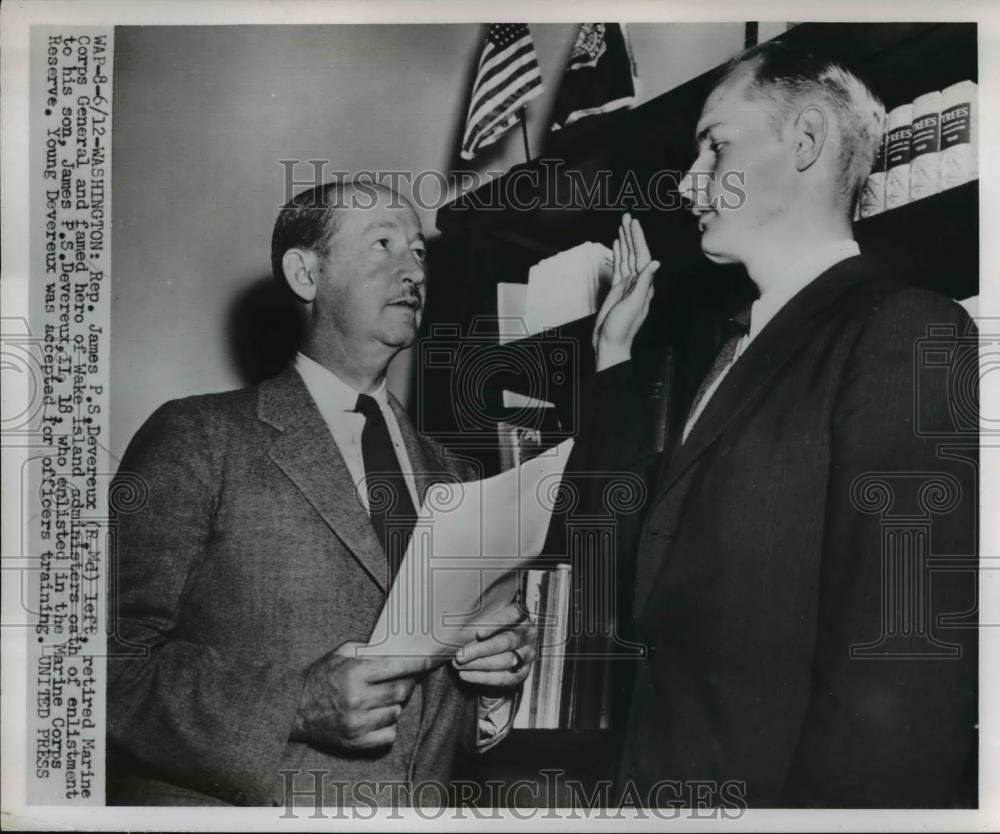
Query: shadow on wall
x=264 y=327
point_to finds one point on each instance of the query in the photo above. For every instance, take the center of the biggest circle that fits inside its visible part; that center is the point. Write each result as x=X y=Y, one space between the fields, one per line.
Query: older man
x=275 y=521
x=797 y=651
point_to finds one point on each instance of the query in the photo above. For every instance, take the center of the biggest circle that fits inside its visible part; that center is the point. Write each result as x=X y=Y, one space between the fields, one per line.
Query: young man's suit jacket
x=243 y=556
x=768 y=552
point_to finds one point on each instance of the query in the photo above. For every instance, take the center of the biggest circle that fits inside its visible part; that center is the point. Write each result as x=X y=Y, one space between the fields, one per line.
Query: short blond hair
x=788 y=76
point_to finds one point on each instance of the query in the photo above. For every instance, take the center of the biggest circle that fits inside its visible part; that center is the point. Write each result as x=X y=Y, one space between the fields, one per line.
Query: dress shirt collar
x=801 y=273
x=329 y=391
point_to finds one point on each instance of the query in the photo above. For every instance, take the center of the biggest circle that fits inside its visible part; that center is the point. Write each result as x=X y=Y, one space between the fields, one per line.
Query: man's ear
x=299 y=266
x=810 y=136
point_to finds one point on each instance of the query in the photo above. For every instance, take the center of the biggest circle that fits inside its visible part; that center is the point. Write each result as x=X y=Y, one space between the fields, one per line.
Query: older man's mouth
x=408 y=301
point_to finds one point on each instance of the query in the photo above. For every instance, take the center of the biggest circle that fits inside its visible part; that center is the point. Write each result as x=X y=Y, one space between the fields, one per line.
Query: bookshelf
x=934 y=241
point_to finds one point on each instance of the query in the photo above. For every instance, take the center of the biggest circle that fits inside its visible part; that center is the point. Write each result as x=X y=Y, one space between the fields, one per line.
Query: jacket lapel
x=773 y=347
x=307 y=453
x=777 y=344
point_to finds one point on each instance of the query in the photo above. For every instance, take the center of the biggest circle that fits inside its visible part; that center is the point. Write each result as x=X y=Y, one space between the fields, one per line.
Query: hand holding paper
x=354 y=703
x=500 y=656
x=459 y=576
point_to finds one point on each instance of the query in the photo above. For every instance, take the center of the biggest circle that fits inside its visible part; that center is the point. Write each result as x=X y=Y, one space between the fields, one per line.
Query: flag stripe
x=525 y=93
x=482 y=100
x=500 y=57
x=506 y=106
x=491 y=75
x=507 y=76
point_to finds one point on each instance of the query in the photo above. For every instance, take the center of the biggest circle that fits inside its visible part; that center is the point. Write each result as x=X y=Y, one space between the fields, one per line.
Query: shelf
x=935 y=240
x=899 y=61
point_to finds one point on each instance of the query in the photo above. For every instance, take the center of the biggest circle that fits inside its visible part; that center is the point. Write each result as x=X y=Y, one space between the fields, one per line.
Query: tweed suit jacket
x=798 y=653
x=243 y=557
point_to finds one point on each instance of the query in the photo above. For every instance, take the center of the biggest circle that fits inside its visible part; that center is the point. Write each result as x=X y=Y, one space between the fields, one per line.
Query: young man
x=763 y=566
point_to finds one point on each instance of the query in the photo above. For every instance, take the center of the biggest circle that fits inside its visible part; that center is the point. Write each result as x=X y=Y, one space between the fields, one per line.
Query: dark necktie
x=389 y=503
x=736 y=328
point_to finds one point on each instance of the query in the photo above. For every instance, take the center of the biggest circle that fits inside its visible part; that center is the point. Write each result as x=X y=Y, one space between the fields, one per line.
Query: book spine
x=897 y=156
x=873 y=194
x=545 y=630
x=925 y=144
x=528 y=706
x=959 y=134
x=560 y=607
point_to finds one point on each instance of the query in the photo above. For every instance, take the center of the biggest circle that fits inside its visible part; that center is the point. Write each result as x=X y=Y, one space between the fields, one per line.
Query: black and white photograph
x=413 y=416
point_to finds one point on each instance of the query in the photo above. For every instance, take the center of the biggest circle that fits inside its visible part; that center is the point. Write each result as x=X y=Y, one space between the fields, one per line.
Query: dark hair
x=307 y=221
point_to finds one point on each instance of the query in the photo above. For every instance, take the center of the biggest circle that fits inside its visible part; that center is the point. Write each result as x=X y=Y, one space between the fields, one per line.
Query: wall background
x=203 y=114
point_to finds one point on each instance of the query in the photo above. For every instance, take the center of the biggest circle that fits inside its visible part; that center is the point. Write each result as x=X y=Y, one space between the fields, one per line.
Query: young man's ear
x=299 y=266
x=810 y=136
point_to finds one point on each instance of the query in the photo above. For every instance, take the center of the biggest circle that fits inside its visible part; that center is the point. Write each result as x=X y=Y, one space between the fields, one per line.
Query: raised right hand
x=627 y=303
x=354 y=702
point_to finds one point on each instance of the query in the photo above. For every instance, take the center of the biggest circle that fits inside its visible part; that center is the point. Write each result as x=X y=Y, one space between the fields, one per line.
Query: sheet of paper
x=566 y=286
x=461 y=565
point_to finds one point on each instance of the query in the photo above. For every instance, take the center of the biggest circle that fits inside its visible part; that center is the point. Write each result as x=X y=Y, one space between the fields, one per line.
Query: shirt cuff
x=496 y=716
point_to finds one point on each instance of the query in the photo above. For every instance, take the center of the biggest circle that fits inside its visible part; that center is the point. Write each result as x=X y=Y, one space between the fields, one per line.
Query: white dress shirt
x=795 y=279
x=336 y=401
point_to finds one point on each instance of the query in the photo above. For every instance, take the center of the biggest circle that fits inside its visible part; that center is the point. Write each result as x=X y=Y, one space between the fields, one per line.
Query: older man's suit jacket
x=783 y=539
x=243 y=556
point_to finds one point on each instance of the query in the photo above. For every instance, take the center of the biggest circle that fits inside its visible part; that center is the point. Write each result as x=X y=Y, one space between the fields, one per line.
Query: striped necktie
x=737 y=327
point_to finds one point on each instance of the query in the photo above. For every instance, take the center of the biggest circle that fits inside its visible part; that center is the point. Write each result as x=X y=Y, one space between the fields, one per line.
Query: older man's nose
x=413 y=273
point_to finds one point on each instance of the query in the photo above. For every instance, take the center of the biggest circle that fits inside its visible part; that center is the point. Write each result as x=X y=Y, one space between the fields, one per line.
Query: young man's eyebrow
x=703 y=133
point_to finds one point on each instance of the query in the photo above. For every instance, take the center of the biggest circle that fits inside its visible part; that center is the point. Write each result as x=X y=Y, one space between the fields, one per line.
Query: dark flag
x=600 y=76
x=507 y=78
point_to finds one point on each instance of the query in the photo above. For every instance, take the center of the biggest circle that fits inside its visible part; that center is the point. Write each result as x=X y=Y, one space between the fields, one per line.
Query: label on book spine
x=959 y=146
x=897 y=156
x=924 y=145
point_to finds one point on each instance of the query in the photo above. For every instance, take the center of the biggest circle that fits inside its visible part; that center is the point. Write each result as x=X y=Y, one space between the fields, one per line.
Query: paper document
x=566 y=286
x=461 y=565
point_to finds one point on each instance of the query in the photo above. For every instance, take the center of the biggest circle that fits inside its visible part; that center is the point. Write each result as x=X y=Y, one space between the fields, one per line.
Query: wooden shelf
x=936 y=240
x=899 y=61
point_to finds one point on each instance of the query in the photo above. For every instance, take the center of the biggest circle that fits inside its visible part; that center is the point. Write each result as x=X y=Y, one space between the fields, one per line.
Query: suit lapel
x=777 y=344
x=307 y=453
x=773 y=347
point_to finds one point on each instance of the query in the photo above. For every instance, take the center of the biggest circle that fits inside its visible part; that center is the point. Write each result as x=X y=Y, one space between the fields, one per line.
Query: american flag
x=508 y=78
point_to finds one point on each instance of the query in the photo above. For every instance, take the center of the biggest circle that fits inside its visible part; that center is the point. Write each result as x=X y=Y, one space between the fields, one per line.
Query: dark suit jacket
x=789 y=530
x=243 y=556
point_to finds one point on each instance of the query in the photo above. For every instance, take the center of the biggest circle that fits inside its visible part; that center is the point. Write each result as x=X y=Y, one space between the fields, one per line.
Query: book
x=546 y=598
x=925 y=142
x=873 y=193
x=557 y=601
x=959 y=134
x=528 y=708
x=897 y=156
